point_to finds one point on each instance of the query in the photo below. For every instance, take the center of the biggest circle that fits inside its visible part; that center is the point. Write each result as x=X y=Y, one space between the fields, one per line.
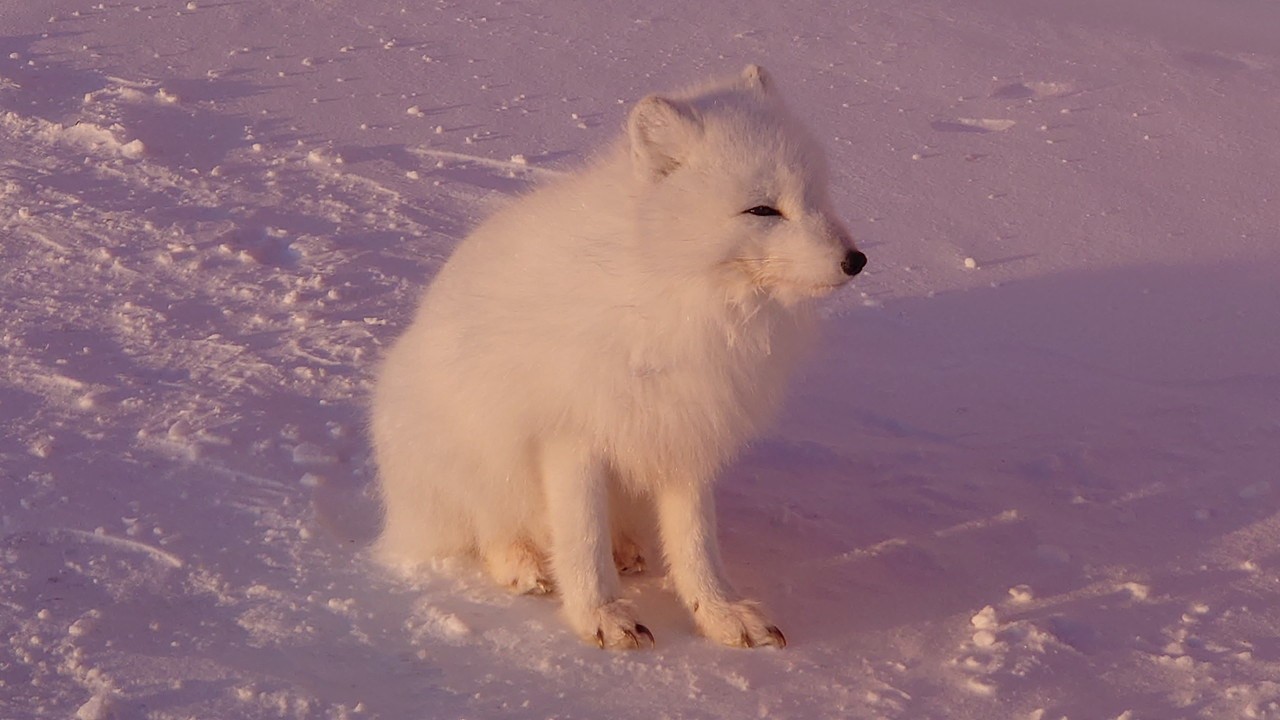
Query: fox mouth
x=824 y=289
x=771 y=275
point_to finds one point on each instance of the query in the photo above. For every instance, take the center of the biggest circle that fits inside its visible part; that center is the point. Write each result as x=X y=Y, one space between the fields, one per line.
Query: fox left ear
x=759 y=79
x=661 y=132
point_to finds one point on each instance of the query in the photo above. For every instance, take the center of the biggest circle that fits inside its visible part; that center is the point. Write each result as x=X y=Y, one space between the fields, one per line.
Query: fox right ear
x=661 y=133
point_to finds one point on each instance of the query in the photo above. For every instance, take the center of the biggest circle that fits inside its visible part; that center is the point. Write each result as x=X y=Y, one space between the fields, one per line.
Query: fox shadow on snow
x=941 y=451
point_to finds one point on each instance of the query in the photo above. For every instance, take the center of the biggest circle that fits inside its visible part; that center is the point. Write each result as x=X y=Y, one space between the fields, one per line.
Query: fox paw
x=628 y=557
x=612 y=626
x=520 y=568
x=738 y=624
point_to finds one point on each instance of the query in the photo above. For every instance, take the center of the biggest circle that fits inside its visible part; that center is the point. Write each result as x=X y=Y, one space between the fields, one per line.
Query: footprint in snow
x=1033 y=90
x=973 y=125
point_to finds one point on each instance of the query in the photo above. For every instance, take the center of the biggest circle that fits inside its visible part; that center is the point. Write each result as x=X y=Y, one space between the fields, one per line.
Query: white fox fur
x=591 y=355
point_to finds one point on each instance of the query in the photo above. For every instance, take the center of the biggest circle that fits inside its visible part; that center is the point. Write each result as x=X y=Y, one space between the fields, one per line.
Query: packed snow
x=1032 y=474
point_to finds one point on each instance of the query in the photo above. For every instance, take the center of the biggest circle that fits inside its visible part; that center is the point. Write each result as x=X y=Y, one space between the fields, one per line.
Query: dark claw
x=633 y=637
x=642 y=630
x=541 y=586
x=778 y=639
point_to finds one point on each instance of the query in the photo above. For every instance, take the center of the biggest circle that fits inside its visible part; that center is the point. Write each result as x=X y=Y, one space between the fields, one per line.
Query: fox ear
x=661 y=133
x=759 y=80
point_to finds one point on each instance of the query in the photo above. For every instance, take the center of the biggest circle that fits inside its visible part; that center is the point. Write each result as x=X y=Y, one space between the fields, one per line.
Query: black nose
x=853 y=263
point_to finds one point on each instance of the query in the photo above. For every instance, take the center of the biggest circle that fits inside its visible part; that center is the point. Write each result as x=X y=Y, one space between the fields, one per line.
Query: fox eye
x=763 y=211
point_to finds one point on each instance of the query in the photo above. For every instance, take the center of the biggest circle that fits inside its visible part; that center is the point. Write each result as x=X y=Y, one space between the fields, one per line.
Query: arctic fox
x=590 y=356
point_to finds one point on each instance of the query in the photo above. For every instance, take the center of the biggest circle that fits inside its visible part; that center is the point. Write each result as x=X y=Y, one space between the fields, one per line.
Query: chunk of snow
x=453 y=627
x=309 y=453
x=980 y=687
x=341 y=605
x=987 y=124
x=985 y=619
x=41 y=447
x=1137 y=591
x=1021 y=594
x=80 y=627
x=99 y=707
x=133 y=150
x=179 y=430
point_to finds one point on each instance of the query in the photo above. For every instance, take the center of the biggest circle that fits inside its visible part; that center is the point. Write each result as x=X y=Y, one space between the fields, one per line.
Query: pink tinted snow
x=1031 y=475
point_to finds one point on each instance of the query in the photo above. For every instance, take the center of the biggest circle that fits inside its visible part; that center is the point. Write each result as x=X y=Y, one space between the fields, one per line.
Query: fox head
x=729 y=179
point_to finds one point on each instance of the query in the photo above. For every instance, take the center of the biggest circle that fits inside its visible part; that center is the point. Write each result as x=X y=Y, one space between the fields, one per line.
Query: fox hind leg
x=632 y=522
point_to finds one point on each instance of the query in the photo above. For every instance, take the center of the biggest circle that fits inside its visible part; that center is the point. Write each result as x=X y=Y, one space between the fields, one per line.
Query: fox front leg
x=576 y=486
x=687 y=522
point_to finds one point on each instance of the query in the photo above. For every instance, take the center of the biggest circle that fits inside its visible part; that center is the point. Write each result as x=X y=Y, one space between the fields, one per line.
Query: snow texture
x=1031 y=475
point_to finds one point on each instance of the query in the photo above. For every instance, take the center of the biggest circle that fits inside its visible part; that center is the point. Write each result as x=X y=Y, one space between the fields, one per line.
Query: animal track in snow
x=974 y=125
x=1000 y=655
x=1029 y=90
x=1033 y=90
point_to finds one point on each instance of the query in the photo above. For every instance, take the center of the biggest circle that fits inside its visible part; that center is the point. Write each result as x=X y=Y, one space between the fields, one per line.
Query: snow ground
x=1032 y=474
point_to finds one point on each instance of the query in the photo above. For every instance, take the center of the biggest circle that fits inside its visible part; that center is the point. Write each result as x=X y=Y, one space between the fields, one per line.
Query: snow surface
x=1032 y=475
